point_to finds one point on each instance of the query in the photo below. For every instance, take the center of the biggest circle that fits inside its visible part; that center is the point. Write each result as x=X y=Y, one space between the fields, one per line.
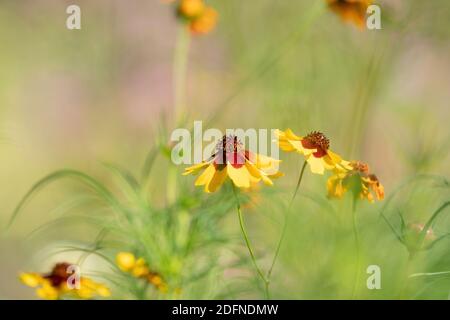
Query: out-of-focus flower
x=315 y=148
x=54 y=285
x=199 y=17
x=205 y=22
x=358 y=180
x=243 y=167
x=191 y=9
x=137 y=267
x=352 y=11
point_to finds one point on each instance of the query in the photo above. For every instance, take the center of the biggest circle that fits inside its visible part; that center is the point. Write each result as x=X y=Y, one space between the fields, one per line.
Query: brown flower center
x=229 y=144
x=59 y=274
x=316 y=140
x=230 y=149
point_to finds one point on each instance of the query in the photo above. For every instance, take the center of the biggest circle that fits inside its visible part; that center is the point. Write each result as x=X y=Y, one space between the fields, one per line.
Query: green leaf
x=60 y=174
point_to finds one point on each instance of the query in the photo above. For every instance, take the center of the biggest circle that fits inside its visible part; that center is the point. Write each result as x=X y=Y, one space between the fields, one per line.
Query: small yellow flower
x=315 y=148
x=243 y=167
x=190 y=9
x=352 y=11
x=200 y=19
x=359 y=180
x=54 y=285
x=205 y=22
x=125 y=261
x=138 y=268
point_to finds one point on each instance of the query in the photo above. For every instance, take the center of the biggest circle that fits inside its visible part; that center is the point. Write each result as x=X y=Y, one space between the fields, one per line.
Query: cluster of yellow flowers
x=200 y=18
x=54 y=285
x=137 y=267
x=246 y=169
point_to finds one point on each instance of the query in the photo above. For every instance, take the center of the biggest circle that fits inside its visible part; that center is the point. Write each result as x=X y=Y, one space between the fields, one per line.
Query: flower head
x=138 y=268
x=200 y=18
x=352 y=11
x=54 y=285
x=315 y=148
x=359 y=180
x=230 y=159
x=191 y=9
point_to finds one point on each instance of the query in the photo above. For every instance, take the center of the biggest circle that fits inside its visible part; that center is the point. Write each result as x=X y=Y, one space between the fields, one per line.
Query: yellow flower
x=191 y=8
x=358 y=180
x=243 y=167
x=205 y=22
x=138 y=268
x=315 y=148
x=54 y=285
x=352 y=11
x=125 y=261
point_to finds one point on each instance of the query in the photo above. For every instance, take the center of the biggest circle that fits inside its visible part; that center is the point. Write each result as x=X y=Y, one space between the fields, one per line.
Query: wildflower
x=205 y=22
x=243 y=167
x=190 y=9
x=138 y=268
x=352 y=11
x=359 y=180
x=315 y=148
x=54 y=285
x=200 y=18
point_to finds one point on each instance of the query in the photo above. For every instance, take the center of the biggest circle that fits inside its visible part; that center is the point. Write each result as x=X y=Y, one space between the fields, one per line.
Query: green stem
x=404 y=285
x=180 y=70
x=179 y=75
x=286 y=219
x=357 y=248
x=247 y=242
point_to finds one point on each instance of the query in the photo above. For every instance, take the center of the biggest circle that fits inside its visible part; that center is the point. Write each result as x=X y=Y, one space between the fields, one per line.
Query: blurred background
x=77 y=98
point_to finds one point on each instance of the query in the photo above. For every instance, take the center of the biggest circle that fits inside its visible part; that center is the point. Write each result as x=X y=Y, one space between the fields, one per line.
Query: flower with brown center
x=315 y=148
x=359 y=180
x=55 y=284
x=243 y=167
x=352 y=11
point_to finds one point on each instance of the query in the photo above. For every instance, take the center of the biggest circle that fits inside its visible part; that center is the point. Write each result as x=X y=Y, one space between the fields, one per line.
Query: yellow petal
x=47 y=292
x=31 y=279
x=240 y=176
x=291 y=135
x=217 y=180
x=206 y=176
x=316 y=165
x=195 y=168
x=267 y=181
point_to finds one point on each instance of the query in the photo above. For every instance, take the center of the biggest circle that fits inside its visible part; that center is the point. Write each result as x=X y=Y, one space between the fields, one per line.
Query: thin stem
x=179 y=75
x=180 y=70
x=277 y=251
x=247 y=241
x=357 y=247
x=404 y=285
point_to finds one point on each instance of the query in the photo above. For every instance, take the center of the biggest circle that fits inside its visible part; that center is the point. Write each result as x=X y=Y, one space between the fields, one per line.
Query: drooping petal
x=206 y=176
x=216 y=181
x=31 y=279
x=240 y=176
x=316 y=164
x=195 y=168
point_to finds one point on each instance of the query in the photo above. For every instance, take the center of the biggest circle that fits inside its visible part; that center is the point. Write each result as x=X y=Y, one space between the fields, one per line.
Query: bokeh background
x=77 y=98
